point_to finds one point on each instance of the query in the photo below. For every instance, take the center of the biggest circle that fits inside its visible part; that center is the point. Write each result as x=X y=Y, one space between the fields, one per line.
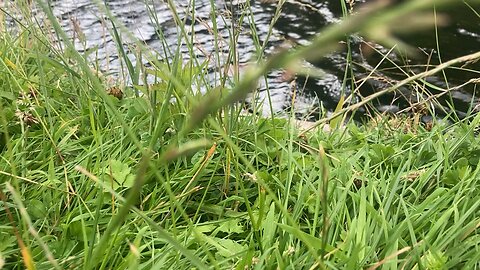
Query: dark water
x=152 y=23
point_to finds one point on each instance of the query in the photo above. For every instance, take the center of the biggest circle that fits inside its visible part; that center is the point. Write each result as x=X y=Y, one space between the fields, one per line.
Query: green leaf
x=229 y=247
x=269 y=227
x=231 y=226
x=119 y=170
x=129 y=181
x=205 y=228
x=7 y=95
x=459 y=170
x=435 y=260
x=37 y=209
x=380 y=152
x=336 y=122
x=8 y=240
x=121 y=174
x=312 y=241
x=136 y=107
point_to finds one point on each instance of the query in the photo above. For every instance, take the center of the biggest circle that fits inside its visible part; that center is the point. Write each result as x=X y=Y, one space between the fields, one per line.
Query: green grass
x=90 y=181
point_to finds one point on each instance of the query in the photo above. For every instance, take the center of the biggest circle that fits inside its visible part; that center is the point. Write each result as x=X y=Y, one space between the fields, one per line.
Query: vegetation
x=160 y=176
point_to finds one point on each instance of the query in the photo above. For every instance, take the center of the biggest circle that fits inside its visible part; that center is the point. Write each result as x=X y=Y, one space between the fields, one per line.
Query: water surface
x=152 y=23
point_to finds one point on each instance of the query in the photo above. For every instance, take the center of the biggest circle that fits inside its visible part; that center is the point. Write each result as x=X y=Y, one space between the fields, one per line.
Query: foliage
x=96 y=181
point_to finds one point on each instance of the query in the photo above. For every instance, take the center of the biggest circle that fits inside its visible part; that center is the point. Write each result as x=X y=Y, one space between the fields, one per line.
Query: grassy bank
x=98 y=177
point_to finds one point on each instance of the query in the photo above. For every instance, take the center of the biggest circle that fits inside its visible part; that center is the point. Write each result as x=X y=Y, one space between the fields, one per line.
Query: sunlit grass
x=164 y=177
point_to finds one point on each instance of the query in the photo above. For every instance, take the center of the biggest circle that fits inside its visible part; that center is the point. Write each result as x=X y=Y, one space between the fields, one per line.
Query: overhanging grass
x=228 y=192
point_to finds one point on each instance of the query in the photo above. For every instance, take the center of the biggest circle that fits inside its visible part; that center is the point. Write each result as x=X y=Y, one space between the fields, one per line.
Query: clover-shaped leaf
x=121 y=174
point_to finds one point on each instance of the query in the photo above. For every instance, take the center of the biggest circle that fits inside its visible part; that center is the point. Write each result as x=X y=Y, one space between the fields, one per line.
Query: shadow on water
x=299 y=21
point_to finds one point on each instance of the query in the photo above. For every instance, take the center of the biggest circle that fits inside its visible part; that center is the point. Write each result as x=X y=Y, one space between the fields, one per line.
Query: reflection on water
x=152 y=23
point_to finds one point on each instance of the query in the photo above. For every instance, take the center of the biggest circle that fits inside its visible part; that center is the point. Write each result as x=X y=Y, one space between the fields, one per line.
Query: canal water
x=152 y=23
